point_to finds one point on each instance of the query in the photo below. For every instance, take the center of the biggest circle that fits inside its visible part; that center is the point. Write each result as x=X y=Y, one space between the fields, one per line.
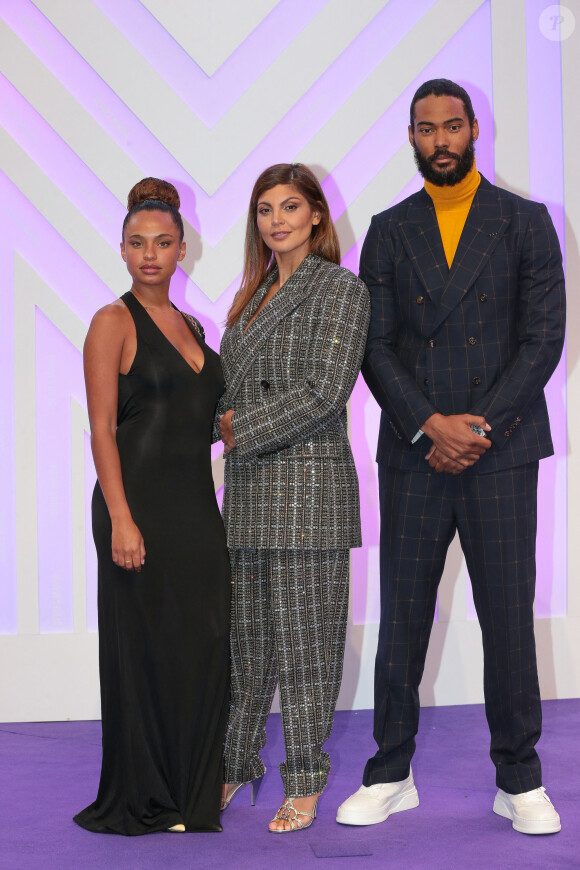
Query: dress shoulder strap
x=144 y=324
x=134 y=306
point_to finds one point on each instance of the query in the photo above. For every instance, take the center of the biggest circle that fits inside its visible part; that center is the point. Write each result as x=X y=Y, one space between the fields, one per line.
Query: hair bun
x=153 y=188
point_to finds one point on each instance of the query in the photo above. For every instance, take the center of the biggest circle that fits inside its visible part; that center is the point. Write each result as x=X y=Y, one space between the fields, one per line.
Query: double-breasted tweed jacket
x=290 y=482
x=482 y=337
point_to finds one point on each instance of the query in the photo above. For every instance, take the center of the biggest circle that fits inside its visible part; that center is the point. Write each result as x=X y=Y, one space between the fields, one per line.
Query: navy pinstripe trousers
x=495 y=516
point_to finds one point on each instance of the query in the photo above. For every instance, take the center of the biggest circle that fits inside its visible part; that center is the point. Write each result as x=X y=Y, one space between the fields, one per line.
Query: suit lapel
x=243 y=347
x=422 y=241
x=483 y=230
x=233 y=346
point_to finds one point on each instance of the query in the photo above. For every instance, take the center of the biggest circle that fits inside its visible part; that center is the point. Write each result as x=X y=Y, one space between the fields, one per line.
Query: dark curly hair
x=154 y=194
x=442 y=88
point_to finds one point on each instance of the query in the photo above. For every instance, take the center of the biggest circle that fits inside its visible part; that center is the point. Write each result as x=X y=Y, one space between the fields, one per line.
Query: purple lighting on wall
x=546 y=156
x=26 y=231
x=211 y=97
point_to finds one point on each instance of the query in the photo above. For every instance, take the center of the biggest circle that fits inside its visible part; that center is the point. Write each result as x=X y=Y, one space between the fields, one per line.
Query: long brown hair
x=258 y=258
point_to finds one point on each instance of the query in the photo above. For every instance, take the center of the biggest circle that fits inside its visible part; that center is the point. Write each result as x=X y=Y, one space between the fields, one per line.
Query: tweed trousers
x=289 y=614
x=495 y=516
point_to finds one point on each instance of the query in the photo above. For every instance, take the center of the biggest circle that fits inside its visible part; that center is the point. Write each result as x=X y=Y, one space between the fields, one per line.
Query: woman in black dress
x=152 y=388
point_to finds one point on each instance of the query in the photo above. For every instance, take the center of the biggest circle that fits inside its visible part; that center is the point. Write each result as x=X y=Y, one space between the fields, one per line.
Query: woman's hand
x=227 y=431
x=128 y=546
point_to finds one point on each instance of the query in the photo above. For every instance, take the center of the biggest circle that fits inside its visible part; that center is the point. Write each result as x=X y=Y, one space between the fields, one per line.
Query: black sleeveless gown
x=163 y=633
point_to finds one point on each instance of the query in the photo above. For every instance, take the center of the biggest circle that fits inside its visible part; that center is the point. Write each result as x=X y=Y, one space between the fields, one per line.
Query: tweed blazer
x=482 y=337
x=290 y=482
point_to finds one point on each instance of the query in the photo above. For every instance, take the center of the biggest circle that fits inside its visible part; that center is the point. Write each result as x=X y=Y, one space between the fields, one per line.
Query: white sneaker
x=375 y=803
x=531 y=812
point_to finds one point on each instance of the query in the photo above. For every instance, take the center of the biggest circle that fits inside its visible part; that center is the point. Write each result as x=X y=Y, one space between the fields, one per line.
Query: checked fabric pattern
x=289 y=610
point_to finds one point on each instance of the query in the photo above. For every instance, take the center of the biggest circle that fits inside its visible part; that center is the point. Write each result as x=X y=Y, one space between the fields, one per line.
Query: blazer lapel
x=243 y=347
x=422 y=240
x=483 y=230
x=233 y=345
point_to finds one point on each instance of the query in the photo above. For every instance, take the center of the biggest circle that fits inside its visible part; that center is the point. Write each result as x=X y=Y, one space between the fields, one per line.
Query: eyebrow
x=284 y=201
x=160 y=236
x=447 y=121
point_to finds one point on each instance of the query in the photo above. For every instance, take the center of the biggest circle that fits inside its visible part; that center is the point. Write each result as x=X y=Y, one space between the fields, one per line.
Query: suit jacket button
x=432 y=343
x=265 y=384
x=426 y=381
x=507 y=433
x=472 y=340
x=483 y=297
x=420 y=300
x=476 y=381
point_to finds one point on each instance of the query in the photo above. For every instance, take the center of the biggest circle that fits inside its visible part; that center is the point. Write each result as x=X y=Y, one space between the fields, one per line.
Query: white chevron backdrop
x=96 y=94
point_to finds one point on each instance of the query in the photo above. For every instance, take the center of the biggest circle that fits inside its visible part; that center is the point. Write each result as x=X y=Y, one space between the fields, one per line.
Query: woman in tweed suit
x=291 y=354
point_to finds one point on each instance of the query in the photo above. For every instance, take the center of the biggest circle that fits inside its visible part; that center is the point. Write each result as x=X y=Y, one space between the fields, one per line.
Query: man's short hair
x=442 y=88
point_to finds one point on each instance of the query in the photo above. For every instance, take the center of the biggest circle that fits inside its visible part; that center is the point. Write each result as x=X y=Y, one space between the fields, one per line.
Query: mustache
x=442 y=152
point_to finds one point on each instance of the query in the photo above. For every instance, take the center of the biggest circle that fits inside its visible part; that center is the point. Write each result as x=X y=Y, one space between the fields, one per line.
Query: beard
x=442 y=177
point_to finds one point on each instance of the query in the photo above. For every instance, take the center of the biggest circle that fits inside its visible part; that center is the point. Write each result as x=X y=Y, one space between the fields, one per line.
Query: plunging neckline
x=169 y=342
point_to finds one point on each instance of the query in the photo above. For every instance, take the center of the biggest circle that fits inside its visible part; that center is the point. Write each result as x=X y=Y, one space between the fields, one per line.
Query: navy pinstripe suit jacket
x=482 y=337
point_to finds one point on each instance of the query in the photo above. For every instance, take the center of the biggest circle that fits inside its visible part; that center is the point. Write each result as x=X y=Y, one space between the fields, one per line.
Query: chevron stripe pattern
x=96 y=94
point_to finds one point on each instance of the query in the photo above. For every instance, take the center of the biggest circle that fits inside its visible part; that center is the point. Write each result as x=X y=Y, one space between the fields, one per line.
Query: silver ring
x=128 y=561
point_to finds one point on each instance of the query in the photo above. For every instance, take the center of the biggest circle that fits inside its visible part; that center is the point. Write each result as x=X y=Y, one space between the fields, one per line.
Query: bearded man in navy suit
x=467 y=326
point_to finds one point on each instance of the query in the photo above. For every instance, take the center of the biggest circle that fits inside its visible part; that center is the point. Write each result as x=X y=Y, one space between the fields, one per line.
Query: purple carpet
x=49 y=771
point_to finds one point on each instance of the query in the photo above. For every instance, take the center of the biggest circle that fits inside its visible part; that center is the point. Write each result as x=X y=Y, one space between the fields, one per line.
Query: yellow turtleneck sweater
x=452 y=206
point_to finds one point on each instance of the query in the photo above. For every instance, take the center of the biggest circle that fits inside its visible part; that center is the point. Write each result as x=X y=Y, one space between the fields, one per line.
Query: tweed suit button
x=432 y=343
x=483 y=297
x=476 y=381
x=420 y=300
x=265 y=384
x=472 y=341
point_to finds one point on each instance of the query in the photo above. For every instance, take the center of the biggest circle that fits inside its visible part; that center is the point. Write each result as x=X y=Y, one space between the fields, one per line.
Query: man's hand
x=453 y=437
x=439 y=462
